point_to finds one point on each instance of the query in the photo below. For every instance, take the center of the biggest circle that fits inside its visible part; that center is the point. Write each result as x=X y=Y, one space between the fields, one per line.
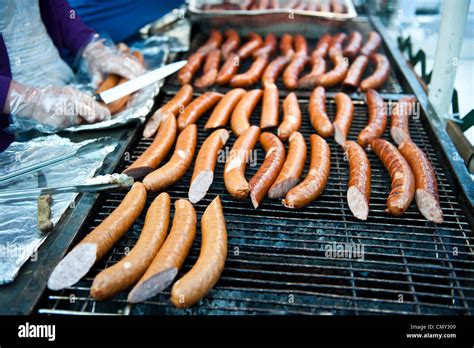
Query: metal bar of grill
x=276 y=257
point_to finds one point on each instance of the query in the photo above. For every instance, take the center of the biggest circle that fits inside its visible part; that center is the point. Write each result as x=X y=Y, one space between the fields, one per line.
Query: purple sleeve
x=64 y=25
x=4 y=86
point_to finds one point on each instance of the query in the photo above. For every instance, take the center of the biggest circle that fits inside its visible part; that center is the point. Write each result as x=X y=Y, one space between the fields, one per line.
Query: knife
x=141 y=81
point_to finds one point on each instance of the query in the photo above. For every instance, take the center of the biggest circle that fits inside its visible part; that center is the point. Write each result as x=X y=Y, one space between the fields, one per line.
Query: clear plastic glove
x=103 y=58
x=58 y=107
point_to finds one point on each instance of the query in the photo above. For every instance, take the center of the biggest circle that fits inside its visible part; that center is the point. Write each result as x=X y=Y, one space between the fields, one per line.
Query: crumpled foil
x=19 y=236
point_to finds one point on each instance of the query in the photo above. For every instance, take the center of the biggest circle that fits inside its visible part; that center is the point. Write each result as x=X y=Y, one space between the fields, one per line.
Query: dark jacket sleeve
x=64 y=25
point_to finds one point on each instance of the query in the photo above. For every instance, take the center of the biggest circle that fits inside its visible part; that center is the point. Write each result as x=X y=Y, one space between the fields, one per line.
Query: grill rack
x=276 y=259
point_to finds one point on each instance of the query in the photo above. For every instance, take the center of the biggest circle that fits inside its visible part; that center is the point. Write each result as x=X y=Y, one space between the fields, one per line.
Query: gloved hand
x=102 y=58
x=58 y=107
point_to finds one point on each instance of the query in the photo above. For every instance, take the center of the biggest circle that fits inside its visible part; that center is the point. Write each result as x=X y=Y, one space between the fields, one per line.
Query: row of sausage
x=153 y=263
x=279 y=175
x=349 y=57
x=333 y=6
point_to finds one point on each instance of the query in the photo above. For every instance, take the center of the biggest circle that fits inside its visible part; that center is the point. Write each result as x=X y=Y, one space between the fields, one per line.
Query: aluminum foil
x=19 y=236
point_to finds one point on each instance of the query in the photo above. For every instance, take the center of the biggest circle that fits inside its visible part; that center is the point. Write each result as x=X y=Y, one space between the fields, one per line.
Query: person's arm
x=73 y=33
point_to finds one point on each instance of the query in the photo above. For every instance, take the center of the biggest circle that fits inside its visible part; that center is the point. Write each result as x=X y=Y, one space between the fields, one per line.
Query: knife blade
x=141 y=81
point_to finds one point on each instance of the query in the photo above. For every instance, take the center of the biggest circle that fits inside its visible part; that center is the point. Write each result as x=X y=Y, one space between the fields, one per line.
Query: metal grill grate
x=276 y=262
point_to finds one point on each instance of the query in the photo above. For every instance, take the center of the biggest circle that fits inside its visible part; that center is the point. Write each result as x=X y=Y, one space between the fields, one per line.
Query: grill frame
x=340 y=288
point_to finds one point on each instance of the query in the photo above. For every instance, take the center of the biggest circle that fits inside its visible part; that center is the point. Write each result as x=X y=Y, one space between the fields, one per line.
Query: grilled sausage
x=240 y=117
x=202 y=277
x=197 y=108
x=224 y=108
x=96 y=244
x=292 y=169
x=214 y=42
x=254 y=43
x=127 y=271
x=403 y=181
x=317 y=113
x=210 y=70
x=318 y=68
x=343 y=120
x=234 y=171
x=252 y=75
x=231 y=43
x=338 y=40
x=317 y=178
x=426 y=194
x=337 y=74
x=269 y=46
x=228 y=69
x=170 y=258
x=203 y=173
x=355 y=72
x=274 y=69
x=380 y=74
x=178 y=164
x=358 y=192
x=286 y=45
x=270 y=107
x=322 y=46
x=377 y=119
x=372 y=44
x=353 y=46
x=400 y=120
x=301 y=45
x=174 y=106
x=269 y=170
x=195 y=60
x=293 y=70
x=291 y=117
x=157 y=151
x=337 y=6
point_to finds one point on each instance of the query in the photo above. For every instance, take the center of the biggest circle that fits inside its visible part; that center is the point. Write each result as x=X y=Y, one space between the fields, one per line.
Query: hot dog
x=301 y=45
x=210 y=70
x=241 y=115
x=343 y=120
x=337 y=7
x=127 y=271
x=380 y=74
x=252 y=75
x=274 y=69
x=269 y=170
x=96 y=244
x=286 y=45
x=197 y=108
x=353 y=46
x=270 y=107
x=234 y=172
x=174 y=106
x=228 y=69
x=426 y=194
x=178 y=164
x=317 y=178
x=195 y=284
x=338 y=40
x=231 y=43
x=377 y=119
x=203 y=173
x=291 y=117
x=224 y=108
x=337 y=74
x=403 y=181
x=322 y=46
x=372 y=44
x=157 y=151
x=254 y=43
x=214 y=42
x=268 y=47
x=195 y=60
x=292 y=169
x=171 y=256
x=294 y=69
x=318 y=68
x=355 y=72
x=317 y=113
x=358 y=192
x=400 y=120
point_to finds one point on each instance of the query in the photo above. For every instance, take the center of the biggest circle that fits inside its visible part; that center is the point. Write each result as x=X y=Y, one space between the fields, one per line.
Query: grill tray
x=276 y=257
